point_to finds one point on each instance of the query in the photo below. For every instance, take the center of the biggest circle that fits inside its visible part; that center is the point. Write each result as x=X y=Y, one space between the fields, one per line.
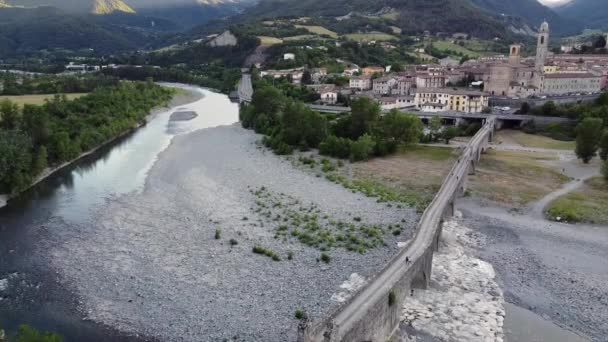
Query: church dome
x=544 y=27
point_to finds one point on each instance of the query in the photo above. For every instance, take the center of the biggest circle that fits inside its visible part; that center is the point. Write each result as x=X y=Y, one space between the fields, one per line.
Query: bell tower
x=514 y=54
x=542 y=47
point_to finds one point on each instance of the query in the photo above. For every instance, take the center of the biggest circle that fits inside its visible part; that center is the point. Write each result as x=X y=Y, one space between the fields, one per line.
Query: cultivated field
x=319 y=30
x=36 y=99
x=367 y=37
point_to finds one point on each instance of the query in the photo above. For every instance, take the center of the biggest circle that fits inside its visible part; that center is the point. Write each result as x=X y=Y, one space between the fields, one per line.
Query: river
x=30 y=292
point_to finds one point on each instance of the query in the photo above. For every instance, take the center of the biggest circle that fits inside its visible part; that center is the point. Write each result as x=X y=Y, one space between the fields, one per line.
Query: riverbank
x=182 y=97
x=175 y=260
x=555 y=270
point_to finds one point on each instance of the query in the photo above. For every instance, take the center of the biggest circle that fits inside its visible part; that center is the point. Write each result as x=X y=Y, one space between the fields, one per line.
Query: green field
x=367 y=37
x=36 y=99
x=445 y=45
x=588 y=204
x=318 y=30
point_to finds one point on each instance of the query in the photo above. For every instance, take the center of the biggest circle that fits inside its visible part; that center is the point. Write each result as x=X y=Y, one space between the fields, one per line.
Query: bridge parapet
x=369 y=315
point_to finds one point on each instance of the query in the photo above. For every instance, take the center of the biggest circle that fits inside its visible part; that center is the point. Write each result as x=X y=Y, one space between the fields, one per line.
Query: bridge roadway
x=369 y=316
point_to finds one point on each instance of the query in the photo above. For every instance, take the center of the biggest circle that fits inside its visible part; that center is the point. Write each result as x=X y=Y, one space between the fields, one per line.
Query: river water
x=29 y=289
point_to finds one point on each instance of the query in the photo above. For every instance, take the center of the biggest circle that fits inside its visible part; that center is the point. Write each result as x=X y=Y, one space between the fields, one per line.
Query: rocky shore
x=176 y=260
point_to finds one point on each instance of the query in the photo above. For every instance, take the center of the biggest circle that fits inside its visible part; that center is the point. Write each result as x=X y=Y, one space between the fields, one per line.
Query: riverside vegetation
x=288 y=124
x=36 y=137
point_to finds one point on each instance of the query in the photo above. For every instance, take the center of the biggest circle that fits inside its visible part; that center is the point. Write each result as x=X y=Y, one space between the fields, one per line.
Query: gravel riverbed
x=558 y=271
x=175 y=260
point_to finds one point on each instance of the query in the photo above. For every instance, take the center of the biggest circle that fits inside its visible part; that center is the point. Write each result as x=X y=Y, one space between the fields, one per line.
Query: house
x=360 y=83
x=454 y=99
x=328 y=95
x=396 y=102
x=371 y=70
x=289 y=57
x=317 y=74
x=384 y=85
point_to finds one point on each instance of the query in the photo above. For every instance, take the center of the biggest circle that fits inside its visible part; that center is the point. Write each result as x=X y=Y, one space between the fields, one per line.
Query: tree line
x=35 y=137
x=213 y=76
x=289 y=124
x=17 y=84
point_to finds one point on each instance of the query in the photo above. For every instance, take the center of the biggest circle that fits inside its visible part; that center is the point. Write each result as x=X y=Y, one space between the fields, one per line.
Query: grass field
x=300 y=37
x=447 y=45
x=589 y=204
x=367 y=37
x=534 y=141
x=396 y=30
x=414 y=174
x=319 y=30
x=392 y=15
x=36 y=99
x=515 y=179
x=269 y=41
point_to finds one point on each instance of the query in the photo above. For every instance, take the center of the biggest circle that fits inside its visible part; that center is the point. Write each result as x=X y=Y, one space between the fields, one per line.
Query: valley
x=282 y=170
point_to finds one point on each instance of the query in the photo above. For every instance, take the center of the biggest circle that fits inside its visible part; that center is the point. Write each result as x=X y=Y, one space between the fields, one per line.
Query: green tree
x=365 y=115
x=15 y=160
x=603 y=145
x=449 y=134
x=588 y=134
x=435 y=128
x=301 y=126
x=9 y=115
x=400 y=128
x=362 y=148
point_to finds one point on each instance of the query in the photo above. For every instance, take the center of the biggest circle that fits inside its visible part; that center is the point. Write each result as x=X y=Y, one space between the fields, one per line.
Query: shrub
x=335 y=147
x=263 y=251
x=218 y=234
x=325 y=258
x=300 y=314
x=392 y=298
x=290 y=255
x=362 y=148
x=233 y=242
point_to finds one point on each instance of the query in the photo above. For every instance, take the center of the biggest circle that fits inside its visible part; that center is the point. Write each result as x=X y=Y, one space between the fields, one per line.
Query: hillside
x=25 y=31
x=533 y=14
x=431 y=15
x=592 y=13
x=102 y=7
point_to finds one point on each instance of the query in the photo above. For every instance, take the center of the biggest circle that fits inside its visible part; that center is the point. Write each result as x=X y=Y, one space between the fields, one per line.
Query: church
x=516 y=79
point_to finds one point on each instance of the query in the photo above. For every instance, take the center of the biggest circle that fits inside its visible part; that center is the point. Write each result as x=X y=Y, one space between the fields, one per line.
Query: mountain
x=103 y=7
x=532 y=12
x=592 y=13
x=190 y=13
x=414 y=16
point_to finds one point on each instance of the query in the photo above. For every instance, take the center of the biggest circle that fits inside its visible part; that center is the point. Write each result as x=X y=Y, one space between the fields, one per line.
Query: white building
x=328 y=94
x=360 y=83
x=396 y=102
x=568 y=83
x=289 y=57
x=454 y=99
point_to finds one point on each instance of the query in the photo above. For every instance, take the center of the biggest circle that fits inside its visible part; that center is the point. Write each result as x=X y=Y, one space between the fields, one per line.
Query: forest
x=37 y=137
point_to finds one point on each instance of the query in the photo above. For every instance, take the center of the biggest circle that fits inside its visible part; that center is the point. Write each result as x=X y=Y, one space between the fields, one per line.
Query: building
x=289 y=57
x=371 y=70
x=384 y=85
x=328 y=95
x=454 y=99
x=396 y=102
x=571 y=83
x=360 y=83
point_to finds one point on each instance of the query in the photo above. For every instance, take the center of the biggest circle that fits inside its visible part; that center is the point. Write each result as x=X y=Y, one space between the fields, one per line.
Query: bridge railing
x=368 y=315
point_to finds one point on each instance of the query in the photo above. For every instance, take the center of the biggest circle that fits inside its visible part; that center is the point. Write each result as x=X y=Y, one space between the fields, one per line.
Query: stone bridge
x=369 y=315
